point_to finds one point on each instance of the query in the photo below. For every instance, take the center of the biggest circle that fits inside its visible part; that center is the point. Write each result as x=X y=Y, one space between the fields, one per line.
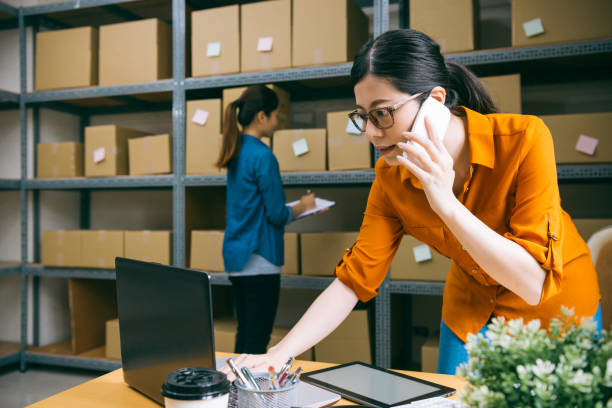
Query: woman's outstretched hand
x=257 y=363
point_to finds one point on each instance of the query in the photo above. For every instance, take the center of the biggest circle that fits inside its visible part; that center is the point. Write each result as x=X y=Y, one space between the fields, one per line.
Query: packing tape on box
x=59 y=238
x=147 y=143
x=101 y=262
x=60 y=259
x=101 y=236
x=146 y=237
x=54 y=148
x=148 y=166
x=265 y=61
x=335 y=141
x=55 y=171
x=318 y=56
x=214 y=67
x=442 y=43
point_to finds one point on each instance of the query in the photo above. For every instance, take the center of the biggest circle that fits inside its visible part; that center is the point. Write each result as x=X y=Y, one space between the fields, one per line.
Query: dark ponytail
x=412 y=63
x=254 y=99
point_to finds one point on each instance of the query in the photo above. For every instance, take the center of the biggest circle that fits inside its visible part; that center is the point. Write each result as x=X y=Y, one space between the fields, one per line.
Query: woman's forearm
x=325 y=314
x=502 y=259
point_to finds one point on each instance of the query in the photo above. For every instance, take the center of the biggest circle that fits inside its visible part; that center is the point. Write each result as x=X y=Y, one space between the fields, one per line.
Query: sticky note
x=213 y=49
x=300 y=147
x=587 y=144
x=99 y=155
x=422 y=253
x=352 y=129
x=533 y=27
x=264 y=44
x=200 y=117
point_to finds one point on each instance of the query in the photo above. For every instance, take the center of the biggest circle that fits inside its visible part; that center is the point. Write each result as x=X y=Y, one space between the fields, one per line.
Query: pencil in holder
x=267 y=397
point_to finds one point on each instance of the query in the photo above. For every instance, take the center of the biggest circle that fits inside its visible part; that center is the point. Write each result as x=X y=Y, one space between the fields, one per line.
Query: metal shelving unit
x=10 y=184
x=177 y=87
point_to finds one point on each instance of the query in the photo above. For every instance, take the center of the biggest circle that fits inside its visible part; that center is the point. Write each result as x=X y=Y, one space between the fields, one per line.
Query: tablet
x=374 y=386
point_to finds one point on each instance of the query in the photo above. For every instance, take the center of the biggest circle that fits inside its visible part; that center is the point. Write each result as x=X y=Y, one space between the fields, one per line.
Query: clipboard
x=320 y=204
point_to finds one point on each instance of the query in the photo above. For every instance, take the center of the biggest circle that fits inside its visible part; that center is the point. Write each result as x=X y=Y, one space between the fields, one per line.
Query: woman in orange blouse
x=485 y=196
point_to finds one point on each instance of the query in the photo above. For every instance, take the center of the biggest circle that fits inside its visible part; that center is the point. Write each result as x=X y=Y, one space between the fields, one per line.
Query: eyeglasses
x=381 y=117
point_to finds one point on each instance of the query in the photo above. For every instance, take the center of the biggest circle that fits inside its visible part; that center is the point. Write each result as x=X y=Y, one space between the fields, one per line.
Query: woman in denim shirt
x=256 y=215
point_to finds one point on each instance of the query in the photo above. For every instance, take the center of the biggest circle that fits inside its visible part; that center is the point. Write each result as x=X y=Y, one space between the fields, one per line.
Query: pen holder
x=266 y=398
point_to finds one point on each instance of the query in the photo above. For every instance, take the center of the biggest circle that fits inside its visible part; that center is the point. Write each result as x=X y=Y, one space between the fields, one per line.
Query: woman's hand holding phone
x=426 y=157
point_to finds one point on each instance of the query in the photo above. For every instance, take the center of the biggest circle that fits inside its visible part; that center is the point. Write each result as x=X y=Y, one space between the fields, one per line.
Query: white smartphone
x=438 y=114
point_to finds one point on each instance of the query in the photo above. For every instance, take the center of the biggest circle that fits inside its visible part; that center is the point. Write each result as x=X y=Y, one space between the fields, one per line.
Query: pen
x=296 y=375
x=237 y=373
x=272 y=378
x=250 y=378
x=282 y=374
x=308 y=191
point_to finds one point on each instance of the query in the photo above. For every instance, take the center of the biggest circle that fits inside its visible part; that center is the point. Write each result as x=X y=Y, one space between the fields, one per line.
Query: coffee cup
x=195 y=387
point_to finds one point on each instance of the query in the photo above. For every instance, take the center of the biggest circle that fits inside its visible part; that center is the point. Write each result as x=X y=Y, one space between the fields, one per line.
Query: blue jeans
x=452 y=352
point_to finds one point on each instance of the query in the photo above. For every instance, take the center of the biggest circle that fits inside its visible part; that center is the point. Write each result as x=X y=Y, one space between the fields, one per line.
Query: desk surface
x=109 y=390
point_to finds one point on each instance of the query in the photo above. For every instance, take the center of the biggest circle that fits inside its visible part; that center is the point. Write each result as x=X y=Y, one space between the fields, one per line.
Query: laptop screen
x=165 y=322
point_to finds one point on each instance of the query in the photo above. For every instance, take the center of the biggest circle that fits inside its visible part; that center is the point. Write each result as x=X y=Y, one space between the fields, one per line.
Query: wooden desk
x=109 y=390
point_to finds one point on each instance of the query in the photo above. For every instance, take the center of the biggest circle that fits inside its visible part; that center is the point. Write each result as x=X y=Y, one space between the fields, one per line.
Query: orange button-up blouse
x=512 y=188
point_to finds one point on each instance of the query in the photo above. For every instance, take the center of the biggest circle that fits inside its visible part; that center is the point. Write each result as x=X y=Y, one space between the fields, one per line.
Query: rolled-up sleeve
x=364 y=266
x=536 y=218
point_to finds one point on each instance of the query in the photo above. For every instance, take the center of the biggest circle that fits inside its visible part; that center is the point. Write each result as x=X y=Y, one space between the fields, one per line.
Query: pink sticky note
x=587 y=144
x=264 y=44
x=99 y=155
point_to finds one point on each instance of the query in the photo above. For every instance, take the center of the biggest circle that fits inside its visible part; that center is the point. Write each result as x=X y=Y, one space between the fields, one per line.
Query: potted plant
x=522 y=365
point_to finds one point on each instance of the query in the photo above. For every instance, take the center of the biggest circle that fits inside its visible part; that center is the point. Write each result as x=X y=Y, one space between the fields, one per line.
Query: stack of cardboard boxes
x=260 y=36
x=98 y=249
x=115 y=54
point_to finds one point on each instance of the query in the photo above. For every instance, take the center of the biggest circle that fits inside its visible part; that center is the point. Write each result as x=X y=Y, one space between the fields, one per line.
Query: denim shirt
x=256 y=213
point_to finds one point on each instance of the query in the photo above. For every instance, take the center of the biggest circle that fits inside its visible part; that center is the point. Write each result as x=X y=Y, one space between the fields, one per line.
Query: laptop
x=166 y=322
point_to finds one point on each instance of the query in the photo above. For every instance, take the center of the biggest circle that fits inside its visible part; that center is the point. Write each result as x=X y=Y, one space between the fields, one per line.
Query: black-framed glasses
x=381 y=117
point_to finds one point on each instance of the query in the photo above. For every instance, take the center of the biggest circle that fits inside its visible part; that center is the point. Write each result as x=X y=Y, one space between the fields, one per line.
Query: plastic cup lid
x=195 y=383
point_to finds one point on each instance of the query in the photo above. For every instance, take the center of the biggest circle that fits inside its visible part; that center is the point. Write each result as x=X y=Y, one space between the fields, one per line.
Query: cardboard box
x=406 y=267
x=284 y=103
x=315 y=143
x=203 y=141
x=149 y=246
x=78 y=46
x=150 y=155
x=113 y=341
x=321 y=251
x=346 y=151
x=207 y=251
x=59 y=160
x=216 y=25
x=349 y=342
x=225 y=337
x=261 y=23
x=567 y=130
x=505 y=91
x=106 y=150
x=561 y=21
x=93 y=302
x=330 y=37
x=588 y=226
x=61 y=248
x=452 y=24
x=225 y=334
x=292 y=254
x=429 y=354
x=279 y=333
x=100 y=248
x=135 y=52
